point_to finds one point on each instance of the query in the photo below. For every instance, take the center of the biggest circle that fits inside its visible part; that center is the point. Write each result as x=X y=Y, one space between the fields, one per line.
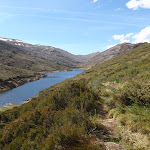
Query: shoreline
x=8 y=107
x=16 y=82
x=10 y=84
x=43 y=75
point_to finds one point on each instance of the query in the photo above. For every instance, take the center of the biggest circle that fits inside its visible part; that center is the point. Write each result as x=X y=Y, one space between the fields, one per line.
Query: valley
x=23 y=93
x=106 y=106
x=75 y=75
x=21 y=62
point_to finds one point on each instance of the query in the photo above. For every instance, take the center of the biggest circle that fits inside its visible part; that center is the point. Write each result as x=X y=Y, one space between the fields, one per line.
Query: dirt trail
x=109 y=130
x=109 y=125
x=112 y=146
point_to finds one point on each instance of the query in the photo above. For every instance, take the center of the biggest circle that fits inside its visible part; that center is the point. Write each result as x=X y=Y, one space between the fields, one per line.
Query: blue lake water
x=30 y=89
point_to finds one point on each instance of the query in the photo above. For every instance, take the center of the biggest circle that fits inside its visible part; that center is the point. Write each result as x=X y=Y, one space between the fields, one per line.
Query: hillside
x=110 y=53
x=56 y=55
x=65 y=58
x=104 y=107
x=29 y=60
x=15 y=65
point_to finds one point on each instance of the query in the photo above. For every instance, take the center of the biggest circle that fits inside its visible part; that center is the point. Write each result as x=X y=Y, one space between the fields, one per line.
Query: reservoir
x=30 y=89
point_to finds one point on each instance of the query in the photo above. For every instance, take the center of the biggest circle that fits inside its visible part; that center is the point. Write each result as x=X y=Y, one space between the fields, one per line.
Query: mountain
x=110 y=53
x=19 y=60
x=56 y=55
x=105 y=107
x=18 y=67
x=65 y=58
x=12 y=56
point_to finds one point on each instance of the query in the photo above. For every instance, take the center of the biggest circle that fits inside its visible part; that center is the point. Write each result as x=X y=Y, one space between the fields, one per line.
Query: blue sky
x=77 y=26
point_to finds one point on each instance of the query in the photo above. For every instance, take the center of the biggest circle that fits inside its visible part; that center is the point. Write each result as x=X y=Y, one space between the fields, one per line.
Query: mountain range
x=64 y=58
x=21 y=60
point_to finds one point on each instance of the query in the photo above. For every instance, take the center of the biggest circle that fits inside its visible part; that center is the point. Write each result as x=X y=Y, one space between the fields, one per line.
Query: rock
x=112 y=146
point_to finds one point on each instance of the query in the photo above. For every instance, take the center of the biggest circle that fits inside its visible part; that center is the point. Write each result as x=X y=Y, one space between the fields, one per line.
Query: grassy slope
x=62 y=116
x=11 y=58
x=124 y=84
x=16 y=65
x=12 y=72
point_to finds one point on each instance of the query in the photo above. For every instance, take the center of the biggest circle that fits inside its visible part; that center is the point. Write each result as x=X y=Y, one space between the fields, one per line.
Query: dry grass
x=137 y=141
x=8 y=107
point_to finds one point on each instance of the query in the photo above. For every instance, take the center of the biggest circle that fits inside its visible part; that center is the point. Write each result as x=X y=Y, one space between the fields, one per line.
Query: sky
x=77 y=26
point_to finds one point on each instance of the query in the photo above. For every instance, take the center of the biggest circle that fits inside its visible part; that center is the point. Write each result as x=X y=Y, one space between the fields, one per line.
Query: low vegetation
x=67 y=115
x=124 y=84
x=57 y=119
x=16 y=65
x=11 y=59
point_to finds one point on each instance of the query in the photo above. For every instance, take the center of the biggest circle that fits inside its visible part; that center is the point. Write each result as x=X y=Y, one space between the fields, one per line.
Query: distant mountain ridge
x=110 y=53
x=11 y=55
x=56 y=55
x=65 y=58
x=21 y=62
x=18 y=67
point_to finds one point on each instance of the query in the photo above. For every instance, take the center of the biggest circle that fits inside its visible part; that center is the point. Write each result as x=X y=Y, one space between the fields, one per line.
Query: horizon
x=56 y=47
x=78 y=27
x=66 y=50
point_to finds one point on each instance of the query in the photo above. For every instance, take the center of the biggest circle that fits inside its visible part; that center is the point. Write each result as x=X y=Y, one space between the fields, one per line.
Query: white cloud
x=142 y=36
x=129 y=35
x=118 y=37
x=110 y=46
x=125 y=41
x=122 y=38
x=94 y=1
x=135 y=4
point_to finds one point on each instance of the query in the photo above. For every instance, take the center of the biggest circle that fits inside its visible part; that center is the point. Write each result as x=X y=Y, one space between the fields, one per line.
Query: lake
x=30 y=89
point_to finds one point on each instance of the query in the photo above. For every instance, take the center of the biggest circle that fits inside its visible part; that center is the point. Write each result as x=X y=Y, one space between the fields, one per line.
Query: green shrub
x=134 y=93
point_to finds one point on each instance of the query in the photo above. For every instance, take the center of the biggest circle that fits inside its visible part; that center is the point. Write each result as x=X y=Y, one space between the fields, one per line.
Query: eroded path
x=110 y=125
x=109 y=136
